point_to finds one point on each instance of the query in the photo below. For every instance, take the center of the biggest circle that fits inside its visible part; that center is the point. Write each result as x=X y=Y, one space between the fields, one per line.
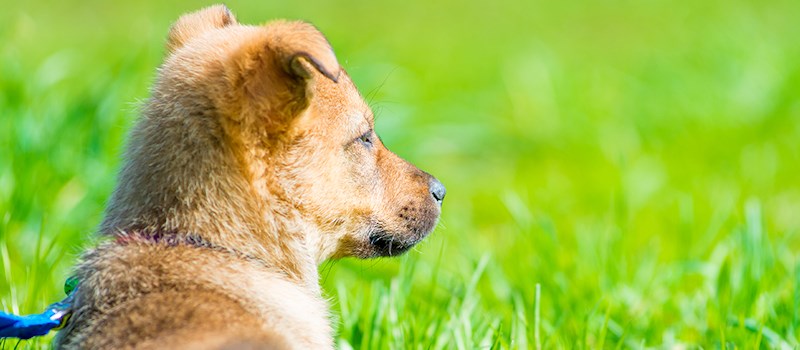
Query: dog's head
x=300 y=131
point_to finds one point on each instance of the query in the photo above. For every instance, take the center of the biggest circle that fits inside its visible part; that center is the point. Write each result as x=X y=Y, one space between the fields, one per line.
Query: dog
x=255 y=160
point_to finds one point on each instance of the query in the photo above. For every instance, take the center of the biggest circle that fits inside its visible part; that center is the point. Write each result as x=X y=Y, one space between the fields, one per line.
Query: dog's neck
x=188 y=179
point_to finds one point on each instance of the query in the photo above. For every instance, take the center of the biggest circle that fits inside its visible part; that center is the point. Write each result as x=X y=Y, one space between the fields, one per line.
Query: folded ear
x=295 y=42
x=193 y=24
x=277 y=69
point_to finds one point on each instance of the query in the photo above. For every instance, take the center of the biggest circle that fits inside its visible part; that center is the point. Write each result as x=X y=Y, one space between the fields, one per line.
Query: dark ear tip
x=317 y=64
x=330 y=76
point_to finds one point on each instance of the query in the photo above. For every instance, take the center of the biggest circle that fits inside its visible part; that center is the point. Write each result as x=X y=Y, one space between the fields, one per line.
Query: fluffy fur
x=254 y=161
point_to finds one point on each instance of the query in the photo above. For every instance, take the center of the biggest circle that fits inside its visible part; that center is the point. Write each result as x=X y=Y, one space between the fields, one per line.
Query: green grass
x=636 y=160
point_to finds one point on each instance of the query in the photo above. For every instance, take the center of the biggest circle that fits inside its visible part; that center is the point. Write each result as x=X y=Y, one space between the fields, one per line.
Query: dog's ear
x=193 y=24
x=293 y=43
x=276 y=70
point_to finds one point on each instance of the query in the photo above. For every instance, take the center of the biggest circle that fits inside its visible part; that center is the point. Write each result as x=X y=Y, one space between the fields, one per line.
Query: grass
x=620 y=175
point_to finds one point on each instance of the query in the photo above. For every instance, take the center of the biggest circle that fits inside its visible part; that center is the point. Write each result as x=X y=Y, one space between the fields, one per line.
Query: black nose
x=437 y=190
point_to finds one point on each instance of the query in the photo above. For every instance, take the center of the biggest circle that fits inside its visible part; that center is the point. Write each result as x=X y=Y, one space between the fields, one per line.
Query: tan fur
x=251 y=141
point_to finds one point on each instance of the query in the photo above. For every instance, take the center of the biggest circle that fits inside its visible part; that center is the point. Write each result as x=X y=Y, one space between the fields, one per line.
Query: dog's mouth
x=395 y=238
x=387 y=244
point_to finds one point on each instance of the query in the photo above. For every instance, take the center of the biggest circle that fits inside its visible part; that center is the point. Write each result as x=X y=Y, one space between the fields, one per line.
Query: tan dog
x=254 y=161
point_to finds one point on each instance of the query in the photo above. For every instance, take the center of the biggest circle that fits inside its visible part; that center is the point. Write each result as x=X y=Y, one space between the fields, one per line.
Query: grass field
x=620 y=174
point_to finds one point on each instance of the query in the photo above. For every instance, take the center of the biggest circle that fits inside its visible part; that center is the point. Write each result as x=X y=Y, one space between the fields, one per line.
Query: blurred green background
x=637 y=160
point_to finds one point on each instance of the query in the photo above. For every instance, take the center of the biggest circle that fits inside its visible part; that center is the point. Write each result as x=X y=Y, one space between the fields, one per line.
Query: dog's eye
x=366 y=138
